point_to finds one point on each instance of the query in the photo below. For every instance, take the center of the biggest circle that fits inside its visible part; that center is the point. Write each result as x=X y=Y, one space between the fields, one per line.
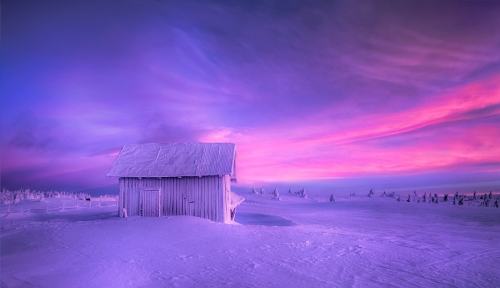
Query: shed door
x=150 y=202
x=188 y=196
x=190 y=201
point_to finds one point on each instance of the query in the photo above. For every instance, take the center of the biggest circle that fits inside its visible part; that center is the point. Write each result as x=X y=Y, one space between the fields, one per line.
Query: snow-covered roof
x=174 y=160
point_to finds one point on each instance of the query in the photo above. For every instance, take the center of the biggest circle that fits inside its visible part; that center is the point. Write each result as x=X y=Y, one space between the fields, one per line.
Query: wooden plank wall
x=206 y=197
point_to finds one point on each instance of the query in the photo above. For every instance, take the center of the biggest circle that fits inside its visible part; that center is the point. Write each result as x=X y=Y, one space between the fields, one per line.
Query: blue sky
x=316 y=90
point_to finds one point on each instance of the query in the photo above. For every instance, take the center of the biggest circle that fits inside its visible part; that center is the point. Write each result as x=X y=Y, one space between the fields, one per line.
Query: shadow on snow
x=262 y=219
x=75 y=217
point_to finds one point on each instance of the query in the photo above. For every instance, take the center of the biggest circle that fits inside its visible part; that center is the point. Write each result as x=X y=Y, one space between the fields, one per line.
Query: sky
x=308 y=90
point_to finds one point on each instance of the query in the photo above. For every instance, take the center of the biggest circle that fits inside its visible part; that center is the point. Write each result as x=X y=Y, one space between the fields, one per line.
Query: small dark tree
x=370 y=194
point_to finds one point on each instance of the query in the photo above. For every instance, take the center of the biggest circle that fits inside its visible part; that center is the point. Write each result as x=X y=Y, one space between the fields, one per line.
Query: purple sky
x=308 y=90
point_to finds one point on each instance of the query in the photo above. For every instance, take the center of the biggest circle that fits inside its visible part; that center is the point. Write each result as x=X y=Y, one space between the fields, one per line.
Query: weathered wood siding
x=206 y=197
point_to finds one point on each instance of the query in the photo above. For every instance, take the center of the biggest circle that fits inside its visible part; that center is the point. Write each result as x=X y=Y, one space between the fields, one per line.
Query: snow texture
x=295 y=242
x=174 y=160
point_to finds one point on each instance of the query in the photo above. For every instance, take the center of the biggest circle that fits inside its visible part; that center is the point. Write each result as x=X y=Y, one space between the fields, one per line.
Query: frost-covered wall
x=207 y=197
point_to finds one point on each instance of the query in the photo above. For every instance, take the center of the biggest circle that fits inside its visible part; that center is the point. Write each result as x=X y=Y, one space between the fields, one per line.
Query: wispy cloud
x=458 y=127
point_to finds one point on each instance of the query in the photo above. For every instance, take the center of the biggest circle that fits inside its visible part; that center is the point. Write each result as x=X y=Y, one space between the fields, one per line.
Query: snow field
x=293 y=242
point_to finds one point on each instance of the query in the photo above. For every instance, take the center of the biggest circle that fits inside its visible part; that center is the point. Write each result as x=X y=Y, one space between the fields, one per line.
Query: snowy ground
x=290 y=243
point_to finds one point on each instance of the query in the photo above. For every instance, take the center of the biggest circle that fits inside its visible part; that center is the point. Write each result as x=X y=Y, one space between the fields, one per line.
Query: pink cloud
x=322 y=147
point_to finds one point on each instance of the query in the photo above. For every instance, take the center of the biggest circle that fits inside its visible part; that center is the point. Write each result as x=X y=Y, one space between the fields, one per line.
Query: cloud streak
x=458 y=128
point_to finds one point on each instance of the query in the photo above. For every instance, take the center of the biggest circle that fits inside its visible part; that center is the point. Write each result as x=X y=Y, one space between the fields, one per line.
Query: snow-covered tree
x=276 y=194
x=461 y=201
x=370 y=194
x=302 y=193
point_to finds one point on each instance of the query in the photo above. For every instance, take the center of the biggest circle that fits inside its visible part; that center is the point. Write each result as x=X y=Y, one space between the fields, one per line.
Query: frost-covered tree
x=461 y=201
x=276 y=194
x=302 y=193
x=370 y=194
x=487 y=202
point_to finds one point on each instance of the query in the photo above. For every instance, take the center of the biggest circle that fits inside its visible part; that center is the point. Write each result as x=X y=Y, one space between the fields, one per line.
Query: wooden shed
x=177 y=179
